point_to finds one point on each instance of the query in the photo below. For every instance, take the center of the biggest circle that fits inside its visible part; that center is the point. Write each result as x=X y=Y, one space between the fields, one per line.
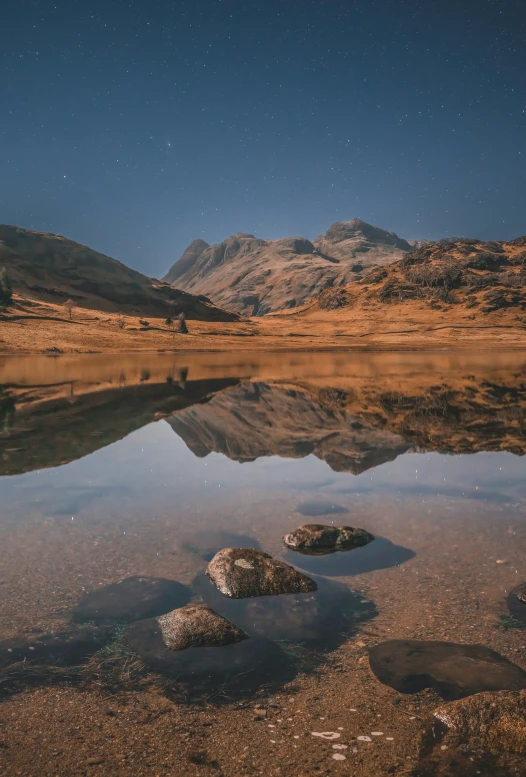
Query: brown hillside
x=254 y=276
x=461 y=287
x=50 y=268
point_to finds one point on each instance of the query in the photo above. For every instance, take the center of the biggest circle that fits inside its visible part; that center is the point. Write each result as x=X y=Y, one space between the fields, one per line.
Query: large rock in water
x=239 y=668
x=317 y=539
x=132 y=599
x=244 y=572
x=410 y=665
x=482 y=735
x=320 y=619
x=197 y=625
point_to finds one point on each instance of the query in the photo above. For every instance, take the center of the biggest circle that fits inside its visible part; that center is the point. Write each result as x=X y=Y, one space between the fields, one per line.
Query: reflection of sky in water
x=152 y=469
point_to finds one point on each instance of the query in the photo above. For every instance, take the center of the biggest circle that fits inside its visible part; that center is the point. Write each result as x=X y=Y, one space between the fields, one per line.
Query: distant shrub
x=121 y=322
x=447 y=275
x=69 y=306
x=183 y=329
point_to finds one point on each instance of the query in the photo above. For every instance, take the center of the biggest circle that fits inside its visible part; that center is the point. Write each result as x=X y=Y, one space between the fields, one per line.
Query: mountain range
x=253 y=277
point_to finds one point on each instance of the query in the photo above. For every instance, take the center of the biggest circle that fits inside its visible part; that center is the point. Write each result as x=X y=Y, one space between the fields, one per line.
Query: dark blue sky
x=135 y=127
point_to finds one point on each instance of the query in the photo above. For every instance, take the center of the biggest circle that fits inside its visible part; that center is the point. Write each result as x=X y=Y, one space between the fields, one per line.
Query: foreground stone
x=517 y=603
x=451 y=669
x=244 y=572
x=484 y=734
x=134 y=598
x=197 y=625
x=237 y=668
x=317 y=539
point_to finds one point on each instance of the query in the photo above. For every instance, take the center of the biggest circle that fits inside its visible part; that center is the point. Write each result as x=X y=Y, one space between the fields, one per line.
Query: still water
x=148 y=464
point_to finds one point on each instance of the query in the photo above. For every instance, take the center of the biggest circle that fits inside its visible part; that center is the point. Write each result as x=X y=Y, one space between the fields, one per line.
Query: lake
x=146 y=465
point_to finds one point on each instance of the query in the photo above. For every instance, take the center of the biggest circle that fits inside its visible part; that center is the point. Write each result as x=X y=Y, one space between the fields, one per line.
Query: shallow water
x=149 y=464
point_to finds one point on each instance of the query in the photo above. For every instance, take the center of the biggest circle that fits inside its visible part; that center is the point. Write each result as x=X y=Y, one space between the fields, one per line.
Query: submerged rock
x=321 y=619
x=244 y=572
x=517 y=603
x=64 y=648
x=482 y=735
x=197 y=625
x=131 y=599
x=451 y=669
x=317 y=539
x=237 y=668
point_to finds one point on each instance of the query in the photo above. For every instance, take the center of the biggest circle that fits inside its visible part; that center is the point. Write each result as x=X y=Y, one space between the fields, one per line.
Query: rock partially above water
x=244 y=572
x=236 y=669
x=451 y=669
x=482 y=735
x=197 y=625
x=321 y=619
x=317 y=539
x=517 y=603
x=132 y=599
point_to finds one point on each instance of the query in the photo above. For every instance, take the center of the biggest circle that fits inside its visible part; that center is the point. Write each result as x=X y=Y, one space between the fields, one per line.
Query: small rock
x=243 y=572
x=317 y=539
x=197 y=625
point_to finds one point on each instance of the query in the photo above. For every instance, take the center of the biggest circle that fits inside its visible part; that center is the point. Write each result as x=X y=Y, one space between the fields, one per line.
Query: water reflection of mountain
x=46 y=426
x=355 y=430
x=351 y=422
x=261 y=419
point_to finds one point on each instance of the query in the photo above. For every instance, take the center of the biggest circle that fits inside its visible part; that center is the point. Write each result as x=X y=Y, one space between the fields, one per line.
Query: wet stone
x=197 y=625
x=239 y=668
x=242 y=572
x=484 y=734
x=454 y=670
x=517 y=603
x=318 y=539
x=320 y=619
x=134 y=598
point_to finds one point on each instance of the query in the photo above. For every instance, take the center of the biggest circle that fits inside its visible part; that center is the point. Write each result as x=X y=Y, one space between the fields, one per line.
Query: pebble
x=364 y=739
x=338 y=757
x=326 y=734
x=339 y=747
x=377 y=733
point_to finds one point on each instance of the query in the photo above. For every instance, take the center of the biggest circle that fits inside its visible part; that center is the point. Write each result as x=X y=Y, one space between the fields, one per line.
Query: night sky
x=135 y=127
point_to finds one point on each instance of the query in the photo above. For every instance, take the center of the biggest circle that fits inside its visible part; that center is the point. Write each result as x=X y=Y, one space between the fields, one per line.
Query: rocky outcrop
x=451 y=669
x=317 y=539
x=254 y=277
x=187 y=260
x=243 y=572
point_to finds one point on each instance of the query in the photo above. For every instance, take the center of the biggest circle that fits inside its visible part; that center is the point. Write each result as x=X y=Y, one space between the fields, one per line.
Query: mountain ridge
x=253 y=276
